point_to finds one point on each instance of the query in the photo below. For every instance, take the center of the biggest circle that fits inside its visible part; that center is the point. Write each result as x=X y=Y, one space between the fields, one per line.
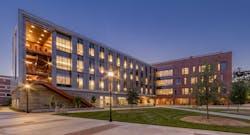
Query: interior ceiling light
x=38 y=42
x=32 y=26
x=28 y=35
x=42 y=35
x=45 y=31
x=40 y=38
x=31 y=31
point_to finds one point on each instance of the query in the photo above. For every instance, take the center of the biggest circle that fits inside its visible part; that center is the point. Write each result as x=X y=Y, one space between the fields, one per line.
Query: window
x=80 y=82
x=125 y=76
x=185 y=81
x=164 y=73
x=202 y=68
x=92 y=49
x=63 y=78
x=63 y=63
x=164 y=91
x=91 y=83
x=194 y=69
x=125 y=64
x=101 y=68
x=118 y=86
x=102 y=55
x=80 y=47
x=218 y=67
x=223 y=66
x=136 y=67
x=63 y=43
x=131 y=76
x=131 y=65
x=178 y=81
x=166 y=82
x=118 y=61
x=193 y=80
x=80 y=66
x=185 y=71
x=91 y=66
x=101 y=84
x=110 y=57
x=185 y=91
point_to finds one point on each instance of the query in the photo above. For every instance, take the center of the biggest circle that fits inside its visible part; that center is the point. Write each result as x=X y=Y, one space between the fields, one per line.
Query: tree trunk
x=238 y=107
x=207 y=109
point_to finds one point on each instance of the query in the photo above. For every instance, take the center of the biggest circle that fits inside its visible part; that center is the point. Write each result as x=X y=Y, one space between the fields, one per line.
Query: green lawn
x=231 y=111
x=159 y=116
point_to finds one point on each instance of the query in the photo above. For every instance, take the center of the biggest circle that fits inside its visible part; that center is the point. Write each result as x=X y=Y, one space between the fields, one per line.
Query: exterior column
x=53 y=58
x=74 y=63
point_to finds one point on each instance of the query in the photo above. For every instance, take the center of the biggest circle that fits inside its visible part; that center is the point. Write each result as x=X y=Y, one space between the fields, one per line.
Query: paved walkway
x=46 y=124
x=213 y=113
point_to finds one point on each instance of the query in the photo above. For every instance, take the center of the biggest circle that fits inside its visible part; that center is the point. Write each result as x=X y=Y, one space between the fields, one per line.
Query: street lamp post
x=27 y=86
x=110 y=76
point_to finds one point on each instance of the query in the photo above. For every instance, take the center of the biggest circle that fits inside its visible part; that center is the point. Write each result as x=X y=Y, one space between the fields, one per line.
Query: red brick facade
x=225 y=73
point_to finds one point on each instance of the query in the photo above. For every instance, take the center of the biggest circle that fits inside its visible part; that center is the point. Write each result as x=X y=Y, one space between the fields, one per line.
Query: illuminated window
x=63 y=63
x=118 y=86
x=218 y=67
x=102 y=55
x=91 y=66
x=131 y=65
x=110 y=57
x=80 y=47
x=91 y=50
x=142 y=68
x=63 y=79
x=80 y=82
x=146 y=81
x=136 y=78
x=118 y=61
x=136 y=67
x=194 y=68
x=101 y=84
x=80 y=66
x=185 y=91
x=202 y=68
x=164 y=73
x=125 y=76
x=131 y=76
x=185 y=71
x=185 y=81
x=166 y=82
x=141 y=90
x=63 y=43
x=164 y=91
x=125 y=64
x=101 y=68
x=193 y=80
x=91 y=83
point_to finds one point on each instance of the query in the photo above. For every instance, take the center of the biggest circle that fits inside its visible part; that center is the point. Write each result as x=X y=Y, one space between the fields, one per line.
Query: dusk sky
x=150 y=30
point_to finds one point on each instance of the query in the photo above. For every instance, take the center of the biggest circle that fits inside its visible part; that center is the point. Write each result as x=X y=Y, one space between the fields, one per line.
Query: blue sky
x=150 y=30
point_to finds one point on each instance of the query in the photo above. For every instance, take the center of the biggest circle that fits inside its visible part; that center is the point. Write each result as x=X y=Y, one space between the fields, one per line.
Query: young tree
x=77 y=101
x=207 y=88
x=238 y=94
x=132 y=97
x=93 y=99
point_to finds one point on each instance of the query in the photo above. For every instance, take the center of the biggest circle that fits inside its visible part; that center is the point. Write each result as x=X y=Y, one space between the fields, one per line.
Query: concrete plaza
x=13 y=123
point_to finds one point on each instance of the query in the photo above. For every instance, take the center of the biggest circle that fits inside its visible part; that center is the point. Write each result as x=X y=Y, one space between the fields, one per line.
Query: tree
x=238 y=94
x=93 y=99
x=207 y=87
x=133 y=97
x=77 y=101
